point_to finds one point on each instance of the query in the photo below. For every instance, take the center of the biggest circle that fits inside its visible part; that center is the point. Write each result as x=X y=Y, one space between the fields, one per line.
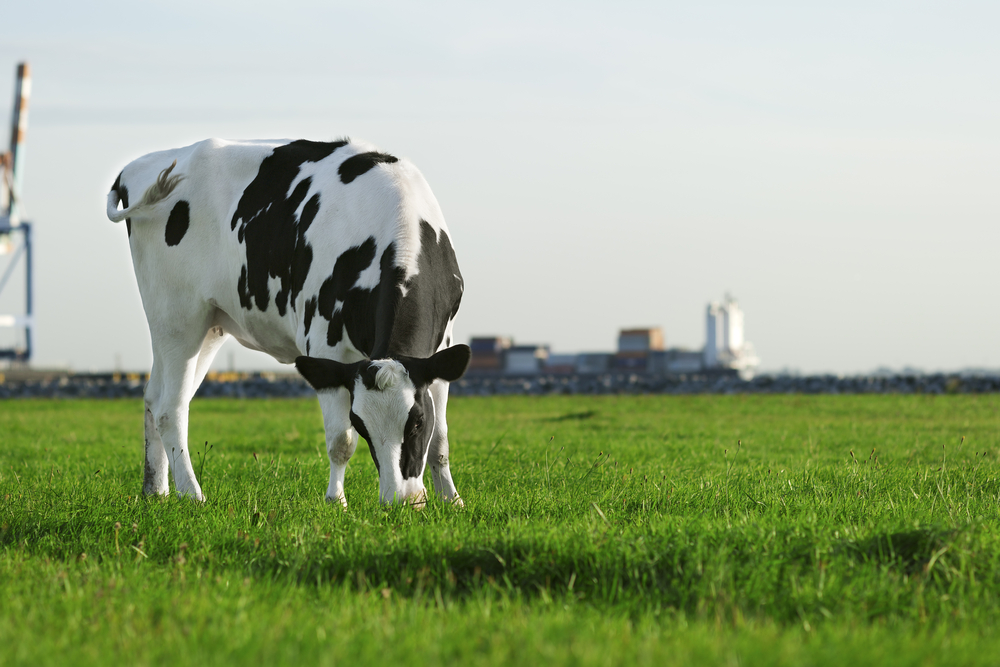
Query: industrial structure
x=12 y=224
x=725 y=346
x=640 y=351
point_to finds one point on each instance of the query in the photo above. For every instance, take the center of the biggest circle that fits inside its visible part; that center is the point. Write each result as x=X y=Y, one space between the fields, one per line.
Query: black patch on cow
x=362 y=309
x=367 y=375
x=327 y=373
x=177 y=223
x=346 y=272
x=381 y=322
x=359 y=426
x=274 y=236
x=123 y=200
x=417 y=435
x=340 y=287
x=358 y=164
x=432 y=298
x=241 y=289
x=308 y=317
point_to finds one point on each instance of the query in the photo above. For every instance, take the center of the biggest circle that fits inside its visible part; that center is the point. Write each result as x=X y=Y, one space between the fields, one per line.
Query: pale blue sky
x=600 y=165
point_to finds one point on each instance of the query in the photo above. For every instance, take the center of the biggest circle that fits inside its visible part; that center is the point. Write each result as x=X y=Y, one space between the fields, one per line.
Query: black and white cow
x=333 y=255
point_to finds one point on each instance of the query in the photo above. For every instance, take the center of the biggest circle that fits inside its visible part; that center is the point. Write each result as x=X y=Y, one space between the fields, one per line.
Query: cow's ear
x=448 y=364
x=326 y=373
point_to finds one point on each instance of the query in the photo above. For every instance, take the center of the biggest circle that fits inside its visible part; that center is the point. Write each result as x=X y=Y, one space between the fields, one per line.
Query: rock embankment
x=725 y=384
x=91 y=385
x=275 y=385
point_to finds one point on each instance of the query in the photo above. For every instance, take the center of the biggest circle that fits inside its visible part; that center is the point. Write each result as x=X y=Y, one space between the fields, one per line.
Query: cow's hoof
x=418 y=500
x=457 y=502
x=337 y=500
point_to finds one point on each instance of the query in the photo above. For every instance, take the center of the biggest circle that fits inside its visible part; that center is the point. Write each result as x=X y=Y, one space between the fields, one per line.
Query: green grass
x=597 y=530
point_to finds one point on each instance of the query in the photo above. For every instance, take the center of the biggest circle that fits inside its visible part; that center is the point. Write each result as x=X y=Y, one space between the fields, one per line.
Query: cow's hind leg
x=437 y=455
x=214 y=340
x=156 y=464
x=154 y=479
x=341 y=439
x=179 y=353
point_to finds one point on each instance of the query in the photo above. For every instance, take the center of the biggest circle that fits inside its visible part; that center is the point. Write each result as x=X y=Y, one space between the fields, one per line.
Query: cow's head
x=392 y=409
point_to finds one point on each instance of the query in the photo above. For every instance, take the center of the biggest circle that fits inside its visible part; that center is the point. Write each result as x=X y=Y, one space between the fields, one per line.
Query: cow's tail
x=158 y=191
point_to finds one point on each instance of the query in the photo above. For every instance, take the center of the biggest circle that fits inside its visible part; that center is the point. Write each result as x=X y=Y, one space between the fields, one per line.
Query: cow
x=331 y=255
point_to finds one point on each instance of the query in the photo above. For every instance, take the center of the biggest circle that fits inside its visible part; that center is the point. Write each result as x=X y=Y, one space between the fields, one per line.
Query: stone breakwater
x=726 y=384
x=275 y=385
x=245 y=385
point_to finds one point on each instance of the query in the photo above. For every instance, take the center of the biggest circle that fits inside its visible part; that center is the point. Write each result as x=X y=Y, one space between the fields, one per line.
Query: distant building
x=725 y=347
x=498 y=354
x=675 y=361
x=639 y=351
x=682 y=362
x=640 y=340
x=525 y=359
x=635 y=347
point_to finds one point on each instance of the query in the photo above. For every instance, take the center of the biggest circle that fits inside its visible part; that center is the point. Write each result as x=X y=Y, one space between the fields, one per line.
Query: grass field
x=743 y=530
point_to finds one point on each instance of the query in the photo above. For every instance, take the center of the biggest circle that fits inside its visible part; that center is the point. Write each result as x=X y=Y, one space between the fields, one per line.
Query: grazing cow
x=333 y=255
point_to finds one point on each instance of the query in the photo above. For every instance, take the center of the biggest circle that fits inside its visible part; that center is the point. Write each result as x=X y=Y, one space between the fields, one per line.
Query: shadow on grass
x=911 y=552
x=572 y=416
x=690 y=571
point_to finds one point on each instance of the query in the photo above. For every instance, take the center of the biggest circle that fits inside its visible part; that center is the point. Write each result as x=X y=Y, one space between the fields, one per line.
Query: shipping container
x=631 y=362
x=560 y=364
x=489 y=344
x=592 y=363
x=525 y=359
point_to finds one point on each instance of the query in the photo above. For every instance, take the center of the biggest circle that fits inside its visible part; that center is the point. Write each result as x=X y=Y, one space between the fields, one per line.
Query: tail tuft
x=157 y=192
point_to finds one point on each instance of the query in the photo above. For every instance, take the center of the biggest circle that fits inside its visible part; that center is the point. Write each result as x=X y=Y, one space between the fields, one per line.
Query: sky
x=834 y=165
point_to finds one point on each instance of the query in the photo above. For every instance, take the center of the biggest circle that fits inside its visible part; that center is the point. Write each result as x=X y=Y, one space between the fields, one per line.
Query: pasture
x=744 y=530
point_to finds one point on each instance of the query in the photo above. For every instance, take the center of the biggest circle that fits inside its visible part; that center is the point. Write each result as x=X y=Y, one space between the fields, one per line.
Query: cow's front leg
x=341 y=439
x=340 y=447
x=437 y=455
